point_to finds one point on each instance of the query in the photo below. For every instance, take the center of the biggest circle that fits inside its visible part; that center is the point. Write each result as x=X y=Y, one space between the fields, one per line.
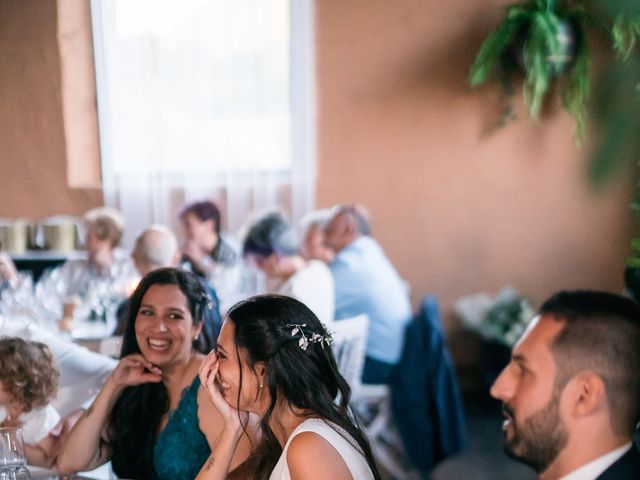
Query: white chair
x=371 y=403
x=349 y=345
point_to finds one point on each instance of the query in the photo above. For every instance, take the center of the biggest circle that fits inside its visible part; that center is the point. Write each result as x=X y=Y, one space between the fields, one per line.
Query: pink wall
x=33 y=167
x=458 y=208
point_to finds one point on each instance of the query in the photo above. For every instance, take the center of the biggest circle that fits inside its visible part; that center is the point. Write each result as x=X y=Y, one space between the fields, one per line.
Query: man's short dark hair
x=203 y=210
x=601 y=334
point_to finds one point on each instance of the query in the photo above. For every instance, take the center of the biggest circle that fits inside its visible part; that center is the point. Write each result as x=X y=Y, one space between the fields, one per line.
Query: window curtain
x=205 y=99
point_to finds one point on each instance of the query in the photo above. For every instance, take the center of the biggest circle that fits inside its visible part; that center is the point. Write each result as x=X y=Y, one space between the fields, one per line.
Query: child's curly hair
x=27 y=372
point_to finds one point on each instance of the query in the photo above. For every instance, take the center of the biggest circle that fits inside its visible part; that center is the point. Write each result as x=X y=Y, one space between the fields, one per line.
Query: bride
x=274 y=360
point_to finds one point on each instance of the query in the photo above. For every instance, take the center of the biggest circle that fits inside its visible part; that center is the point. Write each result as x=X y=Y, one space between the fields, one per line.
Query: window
x=194 y=92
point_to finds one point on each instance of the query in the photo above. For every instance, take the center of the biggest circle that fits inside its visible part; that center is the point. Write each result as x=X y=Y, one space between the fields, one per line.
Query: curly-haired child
x=28 y=381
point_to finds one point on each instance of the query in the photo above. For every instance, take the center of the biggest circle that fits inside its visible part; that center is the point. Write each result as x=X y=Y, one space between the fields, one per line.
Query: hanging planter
x=548 y=44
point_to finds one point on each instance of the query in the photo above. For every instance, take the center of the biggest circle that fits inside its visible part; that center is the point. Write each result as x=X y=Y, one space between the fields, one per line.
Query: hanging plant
x=626 y=35
x=549 y=45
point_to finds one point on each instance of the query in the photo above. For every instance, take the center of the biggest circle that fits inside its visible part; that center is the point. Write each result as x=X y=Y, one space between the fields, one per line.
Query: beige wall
x=33 y=167
x=458 y=208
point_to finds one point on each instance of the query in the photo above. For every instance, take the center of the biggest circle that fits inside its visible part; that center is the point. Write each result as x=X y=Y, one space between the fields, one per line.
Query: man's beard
x=538 y=441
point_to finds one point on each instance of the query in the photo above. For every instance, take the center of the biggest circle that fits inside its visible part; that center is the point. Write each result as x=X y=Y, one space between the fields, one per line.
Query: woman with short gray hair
x=272 y=244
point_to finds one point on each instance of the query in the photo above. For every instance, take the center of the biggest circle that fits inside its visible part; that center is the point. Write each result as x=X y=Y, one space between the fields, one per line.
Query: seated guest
x=207 y=252
x=274 y=360
x=313 y=246
x=272 y=244
x=151 y=419
x=9 y=276
x=157 y=247
x=366 y=282
x=102 y=280
x=16 y=292
x=571 y=393
x=28 y=382
x=82 y=372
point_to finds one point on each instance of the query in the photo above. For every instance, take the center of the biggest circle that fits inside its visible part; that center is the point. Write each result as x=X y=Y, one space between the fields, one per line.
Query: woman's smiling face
x=164 y=326
x=229 y=373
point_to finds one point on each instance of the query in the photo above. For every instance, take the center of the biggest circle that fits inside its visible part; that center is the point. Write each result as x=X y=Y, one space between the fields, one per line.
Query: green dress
x=181 y=448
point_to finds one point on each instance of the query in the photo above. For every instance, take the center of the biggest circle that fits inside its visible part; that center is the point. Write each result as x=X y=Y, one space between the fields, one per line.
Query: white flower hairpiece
x=310 y=337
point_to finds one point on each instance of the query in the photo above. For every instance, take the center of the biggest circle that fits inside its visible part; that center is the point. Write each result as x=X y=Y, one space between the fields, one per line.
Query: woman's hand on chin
x=235 y=420
x=133 y=370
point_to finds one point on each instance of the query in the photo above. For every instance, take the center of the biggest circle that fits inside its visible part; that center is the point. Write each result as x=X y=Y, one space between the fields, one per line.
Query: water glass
x=13 y=462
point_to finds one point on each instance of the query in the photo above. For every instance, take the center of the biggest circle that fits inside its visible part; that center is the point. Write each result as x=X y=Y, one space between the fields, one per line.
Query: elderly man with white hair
x=366 y=282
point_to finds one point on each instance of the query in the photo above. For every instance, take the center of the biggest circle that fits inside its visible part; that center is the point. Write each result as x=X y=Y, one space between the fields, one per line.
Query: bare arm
x=311 y=457
x=43 y=453
x=8 y=272
x=231 y=446
x=86 y=447
x=217 y=469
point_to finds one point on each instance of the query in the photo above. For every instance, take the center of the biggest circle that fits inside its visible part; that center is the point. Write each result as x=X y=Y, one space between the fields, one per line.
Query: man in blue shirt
x=366 y=282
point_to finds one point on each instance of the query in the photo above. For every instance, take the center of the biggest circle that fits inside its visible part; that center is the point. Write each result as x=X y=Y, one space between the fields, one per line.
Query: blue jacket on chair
x=425 y=397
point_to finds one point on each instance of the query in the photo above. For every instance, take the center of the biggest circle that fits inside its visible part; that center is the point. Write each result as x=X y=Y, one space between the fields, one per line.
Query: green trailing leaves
x=626 y=34
x=495 y=44
x=575 y=92
x=544 y=36
x=535 y=28
x=541 y=43
x=616 y=110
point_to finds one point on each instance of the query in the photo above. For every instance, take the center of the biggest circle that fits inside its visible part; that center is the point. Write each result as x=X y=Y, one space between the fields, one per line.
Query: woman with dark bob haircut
x=150 y=418
x=274 y=359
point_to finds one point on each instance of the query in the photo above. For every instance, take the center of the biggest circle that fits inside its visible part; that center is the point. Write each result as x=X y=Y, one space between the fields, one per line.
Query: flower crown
x=309 y=336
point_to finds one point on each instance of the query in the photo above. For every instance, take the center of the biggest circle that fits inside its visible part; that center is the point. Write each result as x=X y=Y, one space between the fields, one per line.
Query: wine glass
x=13 y=462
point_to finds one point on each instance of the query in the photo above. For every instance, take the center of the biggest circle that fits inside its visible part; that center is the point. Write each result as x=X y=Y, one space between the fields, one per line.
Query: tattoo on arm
x=209 y=463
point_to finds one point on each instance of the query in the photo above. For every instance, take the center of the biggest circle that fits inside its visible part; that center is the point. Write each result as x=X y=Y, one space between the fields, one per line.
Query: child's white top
x=36 y=424
x=348 y=450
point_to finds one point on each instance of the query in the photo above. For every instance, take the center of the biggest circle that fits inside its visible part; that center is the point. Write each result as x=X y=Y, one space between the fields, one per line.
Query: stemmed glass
x=13 y=462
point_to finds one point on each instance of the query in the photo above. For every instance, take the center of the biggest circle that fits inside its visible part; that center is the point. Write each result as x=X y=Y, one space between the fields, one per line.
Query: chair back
x=425 y=396
x=349 y=344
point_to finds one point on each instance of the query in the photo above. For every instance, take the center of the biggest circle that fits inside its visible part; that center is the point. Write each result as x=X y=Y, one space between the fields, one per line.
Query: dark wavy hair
x=204 y=210
x=306 y=379
x=135 y=418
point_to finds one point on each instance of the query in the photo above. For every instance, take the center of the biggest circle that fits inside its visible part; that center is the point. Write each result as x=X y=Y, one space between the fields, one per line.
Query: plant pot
x=14 y=236
x=560 y=61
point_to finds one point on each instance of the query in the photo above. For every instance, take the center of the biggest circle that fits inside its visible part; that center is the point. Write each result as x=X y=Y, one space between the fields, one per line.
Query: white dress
x=36 y=424
x=313 y=286
x=356 y=463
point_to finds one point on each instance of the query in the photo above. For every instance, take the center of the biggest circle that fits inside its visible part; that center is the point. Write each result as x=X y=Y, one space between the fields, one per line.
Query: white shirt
x=593 y=469
x=36 y=424
x=313 y=286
